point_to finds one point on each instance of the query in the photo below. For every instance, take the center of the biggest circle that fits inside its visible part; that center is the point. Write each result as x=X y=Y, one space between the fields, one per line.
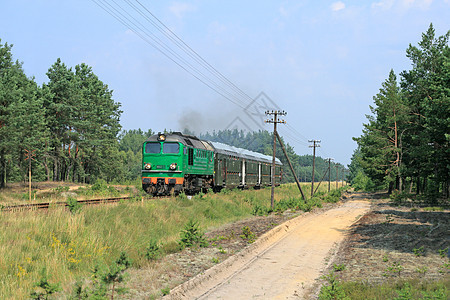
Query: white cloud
x=383 y=4
x=336 y=6
x=179 y=9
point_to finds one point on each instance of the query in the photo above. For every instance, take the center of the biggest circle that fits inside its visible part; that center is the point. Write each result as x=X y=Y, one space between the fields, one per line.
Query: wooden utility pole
x=337 y=176
x=329 y=173
x=314 y=145
x=290 y=165
x=274 y=120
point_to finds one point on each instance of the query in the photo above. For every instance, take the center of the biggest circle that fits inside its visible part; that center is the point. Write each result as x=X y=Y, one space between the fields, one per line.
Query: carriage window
x=190 y=156
x=171 y=148
x=152 y=148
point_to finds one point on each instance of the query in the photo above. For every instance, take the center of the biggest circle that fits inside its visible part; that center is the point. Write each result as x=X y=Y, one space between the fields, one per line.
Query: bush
x=248 y=235
x=73 y=205
x=333 y=290
x=152 y=251
x=259 y=210
x=44 y=288
x=192 y=235
x=398 y=197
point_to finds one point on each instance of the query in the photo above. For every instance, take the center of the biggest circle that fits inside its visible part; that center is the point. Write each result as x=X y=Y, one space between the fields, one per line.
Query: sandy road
x=282 y=264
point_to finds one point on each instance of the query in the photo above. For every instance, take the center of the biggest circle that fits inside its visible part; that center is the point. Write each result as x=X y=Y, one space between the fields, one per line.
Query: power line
x=215 y=82
x=186 y=57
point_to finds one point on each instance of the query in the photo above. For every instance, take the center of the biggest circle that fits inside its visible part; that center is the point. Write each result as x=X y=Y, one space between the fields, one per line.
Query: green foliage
x=410 y=289
x=404 y=293
x=333 y=196
x=44 y=288
x=111 y=277
x=165 y=291
x=339 y=267
x=443 y=252
x=333 y=290
x=79 y=292
x=260 y=210
x=406 y=137
x=399 y=197
x=153 y=251
x=394 y=269
x=192 y=235
x=73 y=205
x=419 y=251
x=215 y=260
x=248 y=235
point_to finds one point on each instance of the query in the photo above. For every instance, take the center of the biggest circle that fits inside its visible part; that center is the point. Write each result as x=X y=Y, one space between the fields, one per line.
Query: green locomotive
x=174 y=163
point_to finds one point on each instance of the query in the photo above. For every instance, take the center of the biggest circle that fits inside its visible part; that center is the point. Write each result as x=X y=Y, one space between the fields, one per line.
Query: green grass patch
x=402 y=289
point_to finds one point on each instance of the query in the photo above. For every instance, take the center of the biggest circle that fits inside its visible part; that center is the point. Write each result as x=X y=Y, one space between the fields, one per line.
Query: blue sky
x=321 y=61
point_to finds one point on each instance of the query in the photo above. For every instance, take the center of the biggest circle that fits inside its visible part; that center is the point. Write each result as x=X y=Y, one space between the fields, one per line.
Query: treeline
x=262 y=142
x=68 y=127
x=405 y=144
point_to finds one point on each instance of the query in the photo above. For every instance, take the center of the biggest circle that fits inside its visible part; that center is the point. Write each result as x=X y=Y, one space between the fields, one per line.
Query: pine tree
x=380 y=146
x=427 y=93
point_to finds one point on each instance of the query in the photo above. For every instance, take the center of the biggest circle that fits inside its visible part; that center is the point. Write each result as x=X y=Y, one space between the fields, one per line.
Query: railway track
x=46 y=205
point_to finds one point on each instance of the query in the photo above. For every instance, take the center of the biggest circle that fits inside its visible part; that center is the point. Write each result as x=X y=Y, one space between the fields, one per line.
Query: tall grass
x=69 y=245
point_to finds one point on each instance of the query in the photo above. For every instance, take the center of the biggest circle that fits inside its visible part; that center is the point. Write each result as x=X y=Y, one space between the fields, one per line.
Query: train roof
x=193 y=141
x=244 y=153
x=187 y=140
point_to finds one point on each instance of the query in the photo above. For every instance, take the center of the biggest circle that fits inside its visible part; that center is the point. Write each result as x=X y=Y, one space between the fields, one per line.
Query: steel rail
x=46 y=205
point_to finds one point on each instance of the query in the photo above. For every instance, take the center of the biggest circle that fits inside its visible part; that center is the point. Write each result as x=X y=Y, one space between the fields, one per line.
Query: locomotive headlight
x=161 y=137
x=173 y=166
x=147 y=166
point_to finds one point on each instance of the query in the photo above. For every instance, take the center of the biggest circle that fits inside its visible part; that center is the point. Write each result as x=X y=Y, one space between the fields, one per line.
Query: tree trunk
x=55 y=170
x=418 y=185
x=47 y=171
x=2 y=169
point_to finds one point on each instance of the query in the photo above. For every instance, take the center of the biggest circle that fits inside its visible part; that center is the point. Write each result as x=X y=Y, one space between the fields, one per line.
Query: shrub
x=192 y=235
x=259 y=210
x=44 y=288
x=73 y=205
x=248 y=235
x=152 y=251
x=333 y=290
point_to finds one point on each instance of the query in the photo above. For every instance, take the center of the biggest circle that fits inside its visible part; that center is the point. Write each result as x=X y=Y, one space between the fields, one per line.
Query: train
x=173 y=163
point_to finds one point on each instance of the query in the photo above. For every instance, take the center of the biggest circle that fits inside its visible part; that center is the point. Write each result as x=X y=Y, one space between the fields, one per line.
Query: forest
x=404 y=146
x=68 y=129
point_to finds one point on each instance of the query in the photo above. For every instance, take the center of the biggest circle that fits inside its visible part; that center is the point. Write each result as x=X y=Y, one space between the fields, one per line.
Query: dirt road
x=282 y=264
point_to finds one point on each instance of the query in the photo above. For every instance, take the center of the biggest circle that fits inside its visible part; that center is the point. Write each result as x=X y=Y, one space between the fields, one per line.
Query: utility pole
x=329 y=173
x=337 y=176
x=315 y=144
x=274 y=120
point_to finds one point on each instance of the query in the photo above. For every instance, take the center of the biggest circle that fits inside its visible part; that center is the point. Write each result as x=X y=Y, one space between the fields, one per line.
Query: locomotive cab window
x=171 y=148
x=152 y=148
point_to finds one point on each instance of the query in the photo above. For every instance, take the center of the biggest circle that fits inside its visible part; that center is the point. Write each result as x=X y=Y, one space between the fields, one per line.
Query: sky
x=320 y=61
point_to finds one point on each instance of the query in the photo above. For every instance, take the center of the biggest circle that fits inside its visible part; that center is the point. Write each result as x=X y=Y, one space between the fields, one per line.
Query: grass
x=67 y=246
x=17 y=193
x=401 y=289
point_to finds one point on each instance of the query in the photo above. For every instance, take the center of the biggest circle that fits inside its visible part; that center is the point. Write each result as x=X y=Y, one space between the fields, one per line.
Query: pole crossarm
x=314 y=146
x=275 y=121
